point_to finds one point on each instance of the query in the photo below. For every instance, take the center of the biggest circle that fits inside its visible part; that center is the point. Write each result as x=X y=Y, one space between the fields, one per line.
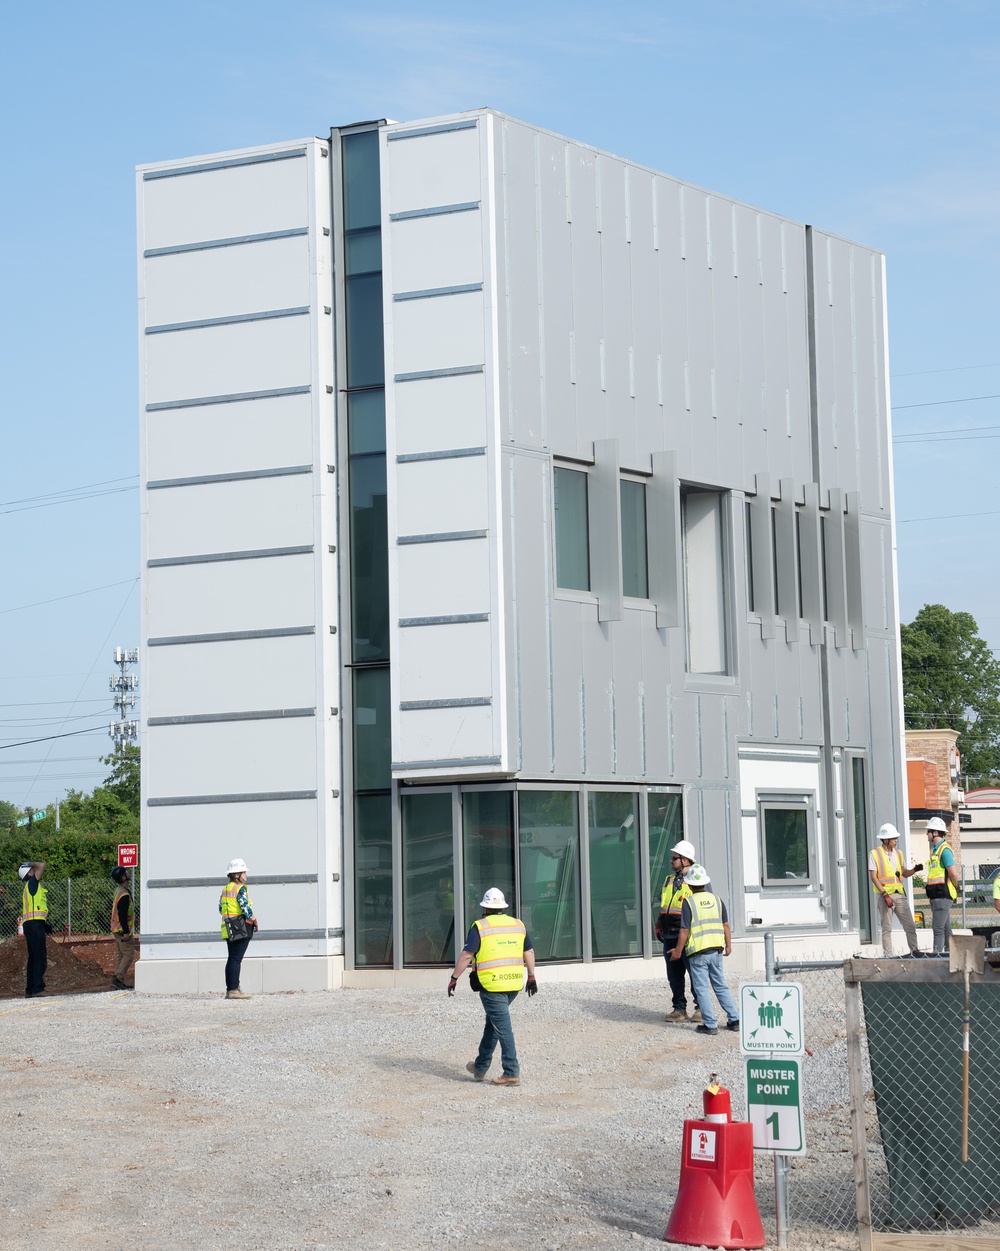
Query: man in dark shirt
x=122 y=925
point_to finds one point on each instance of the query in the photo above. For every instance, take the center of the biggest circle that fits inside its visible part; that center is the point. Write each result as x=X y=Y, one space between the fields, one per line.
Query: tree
x=951 y=679
x=123 y=780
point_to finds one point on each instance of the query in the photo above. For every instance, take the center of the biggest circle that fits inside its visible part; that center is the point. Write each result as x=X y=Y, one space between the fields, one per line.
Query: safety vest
x=34 y=907
x=500 y=959
x=116 y=925
x=706 y=932
x=889 y=871
x=672 y=898
x=228 y=904
x=937 y=874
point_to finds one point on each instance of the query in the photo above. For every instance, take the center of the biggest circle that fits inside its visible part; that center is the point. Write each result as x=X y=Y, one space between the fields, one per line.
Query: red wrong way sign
x=128 y=855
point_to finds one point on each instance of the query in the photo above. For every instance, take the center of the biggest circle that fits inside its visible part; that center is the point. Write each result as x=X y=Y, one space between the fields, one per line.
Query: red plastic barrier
x=715 y=1204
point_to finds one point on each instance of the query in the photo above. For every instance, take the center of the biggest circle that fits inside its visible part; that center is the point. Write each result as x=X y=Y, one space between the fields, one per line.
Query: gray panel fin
x=663 y=511
x=605 y=523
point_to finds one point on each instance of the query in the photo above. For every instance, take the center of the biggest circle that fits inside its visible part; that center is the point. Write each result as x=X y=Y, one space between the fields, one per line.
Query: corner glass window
x=428 y=880
x=365 y=358
x=635 y=577
x=572 y=530
x=786 y=836
x=613 y=843
x=369 y=560
x=549 y=852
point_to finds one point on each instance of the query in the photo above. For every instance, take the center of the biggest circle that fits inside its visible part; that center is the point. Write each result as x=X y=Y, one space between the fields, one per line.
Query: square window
x=786 y=843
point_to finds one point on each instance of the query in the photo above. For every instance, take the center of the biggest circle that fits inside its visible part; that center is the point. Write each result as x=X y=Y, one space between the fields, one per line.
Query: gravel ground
x=347 y=1120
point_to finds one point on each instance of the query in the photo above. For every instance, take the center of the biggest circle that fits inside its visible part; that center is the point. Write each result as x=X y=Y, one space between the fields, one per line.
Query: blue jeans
x=237 y=948
x=705 y=967
x=496 y=1005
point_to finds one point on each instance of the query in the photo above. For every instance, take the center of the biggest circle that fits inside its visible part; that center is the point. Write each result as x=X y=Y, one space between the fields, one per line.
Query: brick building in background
x=932 y=783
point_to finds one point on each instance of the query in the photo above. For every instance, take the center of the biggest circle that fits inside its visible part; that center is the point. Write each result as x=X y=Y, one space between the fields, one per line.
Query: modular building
x=509 y=512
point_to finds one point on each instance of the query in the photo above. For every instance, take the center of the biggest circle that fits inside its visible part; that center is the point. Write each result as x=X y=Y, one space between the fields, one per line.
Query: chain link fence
x=973 y=909
x=882 y=1099
x=80 y=905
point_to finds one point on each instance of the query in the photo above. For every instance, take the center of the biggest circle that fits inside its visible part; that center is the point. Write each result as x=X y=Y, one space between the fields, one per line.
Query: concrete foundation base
x=277 y=974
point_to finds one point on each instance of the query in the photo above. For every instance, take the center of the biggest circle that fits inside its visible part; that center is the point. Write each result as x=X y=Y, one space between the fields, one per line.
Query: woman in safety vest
x=238 y=924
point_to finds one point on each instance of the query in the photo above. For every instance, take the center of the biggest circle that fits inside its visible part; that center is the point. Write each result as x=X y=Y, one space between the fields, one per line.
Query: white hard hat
x=935 y=823
x=887 y=831
x=24 y=870
x=685 y=849
x=237 y=866
x=697 y=876
x=493 y=899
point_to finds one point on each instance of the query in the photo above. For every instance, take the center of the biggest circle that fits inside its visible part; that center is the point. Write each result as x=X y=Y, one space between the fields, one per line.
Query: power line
x=73 y=595
x=50 y=738
x=967 y=399
x=952 y=369
x=90 y=495
x=51 y=495
x=907 y=521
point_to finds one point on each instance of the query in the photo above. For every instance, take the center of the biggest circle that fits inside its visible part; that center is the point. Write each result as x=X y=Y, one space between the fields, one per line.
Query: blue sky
x=876 y=119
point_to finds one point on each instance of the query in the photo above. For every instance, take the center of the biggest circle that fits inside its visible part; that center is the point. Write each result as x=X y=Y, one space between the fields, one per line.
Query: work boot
x=117 y=985
x=236 y=994
x=471 y=1066
x=506 y=1081
x=707 y=1029
x=678 y=1014
x=696 y=1017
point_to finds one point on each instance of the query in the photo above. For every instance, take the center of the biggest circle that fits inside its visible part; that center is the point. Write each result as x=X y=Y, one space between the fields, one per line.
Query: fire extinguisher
x=716 y=1101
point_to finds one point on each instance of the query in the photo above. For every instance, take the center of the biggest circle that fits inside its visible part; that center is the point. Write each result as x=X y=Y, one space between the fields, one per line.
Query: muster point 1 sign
x=774 y=1105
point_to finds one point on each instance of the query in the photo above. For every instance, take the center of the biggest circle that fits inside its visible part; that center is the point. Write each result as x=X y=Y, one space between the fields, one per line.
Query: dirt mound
x=71 y=969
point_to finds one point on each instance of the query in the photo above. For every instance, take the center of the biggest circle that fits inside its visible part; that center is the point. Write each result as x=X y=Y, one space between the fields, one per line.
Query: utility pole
x=123 y=688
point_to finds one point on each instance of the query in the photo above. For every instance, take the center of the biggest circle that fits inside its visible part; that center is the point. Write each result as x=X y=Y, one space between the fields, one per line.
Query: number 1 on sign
x=772 y=1120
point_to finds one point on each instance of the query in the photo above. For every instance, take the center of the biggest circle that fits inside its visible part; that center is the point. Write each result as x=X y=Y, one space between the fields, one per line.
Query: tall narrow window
x=428 y=879
x=549 y=851
x=635 y=575
x=705 y=582
x=572 y=529
x=613 y=843
x=488 y=848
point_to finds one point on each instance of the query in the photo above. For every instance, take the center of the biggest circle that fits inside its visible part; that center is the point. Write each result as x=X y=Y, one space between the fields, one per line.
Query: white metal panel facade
x=240 y=735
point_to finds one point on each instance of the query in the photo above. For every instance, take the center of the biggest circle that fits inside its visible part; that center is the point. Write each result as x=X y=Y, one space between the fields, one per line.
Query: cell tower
x=123 y=688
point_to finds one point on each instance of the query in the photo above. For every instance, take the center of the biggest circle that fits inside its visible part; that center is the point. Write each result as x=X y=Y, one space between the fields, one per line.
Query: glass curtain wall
x=369 y=551
x=428 y=879
x=613 y=843
x=488 y=848
x=665 y=816
x=549 y=853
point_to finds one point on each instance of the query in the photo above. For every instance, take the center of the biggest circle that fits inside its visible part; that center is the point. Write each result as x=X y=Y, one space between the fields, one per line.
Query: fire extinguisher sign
x=774 y=1105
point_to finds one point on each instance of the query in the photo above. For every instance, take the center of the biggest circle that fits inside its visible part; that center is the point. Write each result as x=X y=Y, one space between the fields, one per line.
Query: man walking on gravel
x=501 y=947
x=703 y=938
x=885 y=868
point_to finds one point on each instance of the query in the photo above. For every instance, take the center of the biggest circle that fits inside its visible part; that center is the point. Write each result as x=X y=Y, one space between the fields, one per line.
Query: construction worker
x=668 y=924
x=236 y=909
x=942 y=883
x=885 y=868
x=501 y=947
x=703 y=939
x=35 y=924
x=122 y=926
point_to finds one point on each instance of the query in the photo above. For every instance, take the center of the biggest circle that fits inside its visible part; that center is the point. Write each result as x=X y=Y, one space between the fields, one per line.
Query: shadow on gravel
x=420 y=1064
x=624 y=1012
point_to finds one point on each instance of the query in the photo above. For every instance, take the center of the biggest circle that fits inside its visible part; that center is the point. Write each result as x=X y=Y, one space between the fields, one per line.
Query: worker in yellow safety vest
x=942 y=883
x=501 y=948
x=35 y=925
x=887 y=871
x=703 y=940
x=668 y=924
x=122 y=926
